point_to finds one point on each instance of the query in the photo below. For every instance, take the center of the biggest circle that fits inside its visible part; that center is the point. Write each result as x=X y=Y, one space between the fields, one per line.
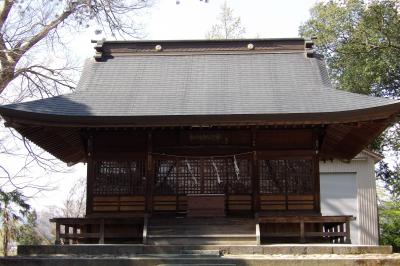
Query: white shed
x=350 y=188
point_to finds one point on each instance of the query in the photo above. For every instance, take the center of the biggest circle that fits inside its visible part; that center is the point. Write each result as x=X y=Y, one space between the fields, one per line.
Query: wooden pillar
x=101 y=232
x=317 y=197
x=149 y=174
x=58 y=227
x=255 y=182
x=348 y=239
x=302 y=233
x=75 y=232
x=90 y=176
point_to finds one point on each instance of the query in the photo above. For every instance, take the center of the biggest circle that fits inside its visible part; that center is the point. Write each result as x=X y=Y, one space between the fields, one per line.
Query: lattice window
x=119 y=178
x=300 y=177
x=189 y=176
x=165 y=177
x=286 y=177
x=210 y=182
x=241 y=183
x=195 y=176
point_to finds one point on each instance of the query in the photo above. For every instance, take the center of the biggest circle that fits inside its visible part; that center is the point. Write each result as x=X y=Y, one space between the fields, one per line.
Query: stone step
x=132 y=250
x=202 y=240
x=248 y=260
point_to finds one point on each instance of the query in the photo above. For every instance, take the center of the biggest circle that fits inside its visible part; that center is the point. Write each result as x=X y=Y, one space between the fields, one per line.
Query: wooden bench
x=334 y=228
x=80 y=228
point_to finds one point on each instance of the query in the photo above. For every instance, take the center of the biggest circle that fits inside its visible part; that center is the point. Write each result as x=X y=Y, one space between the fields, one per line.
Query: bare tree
x=228 y=26
x=34 y=63
x=75 y=203
x=25 y=24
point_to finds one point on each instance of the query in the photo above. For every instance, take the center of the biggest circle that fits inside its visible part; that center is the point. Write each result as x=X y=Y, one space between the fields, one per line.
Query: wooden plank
x=97 y=204
x=81 y=236
x=132 y=208
x=105 y=199
x=239 y=198
x=301 y=207
x=165 y=208
x=205 y=205
x=105 y=208
x=284 y=139
x=301 y=197
x=132 y=198
x=165 y=198
x=272 y=207
x=272 y=197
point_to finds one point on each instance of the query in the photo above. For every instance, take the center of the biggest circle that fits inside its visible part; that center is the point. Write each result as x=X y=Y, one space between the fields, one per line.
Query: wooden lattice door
x=177 y=177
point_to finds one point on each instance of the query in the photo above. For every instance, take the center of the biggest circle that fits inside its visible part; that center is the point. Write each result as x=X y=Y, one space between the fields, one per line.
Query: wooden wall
x=145 y=146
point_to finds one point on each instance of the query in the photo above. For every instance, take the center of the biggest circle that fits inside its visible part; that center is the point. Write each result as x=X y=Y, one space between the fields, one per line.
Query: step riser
x=196 y=261
x=200 y=242
x=225 y=249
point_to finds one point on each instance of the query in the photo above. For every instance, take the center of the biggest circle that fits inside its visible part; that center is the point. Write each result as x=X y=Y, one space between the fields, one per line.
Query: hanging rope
x=216 y=171
x=190 y=171
x=237 y=170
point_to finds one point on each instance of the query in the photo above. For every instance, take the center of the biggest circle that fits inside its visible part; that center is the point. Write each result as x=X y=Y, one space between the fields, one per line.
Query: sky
x=191 y=19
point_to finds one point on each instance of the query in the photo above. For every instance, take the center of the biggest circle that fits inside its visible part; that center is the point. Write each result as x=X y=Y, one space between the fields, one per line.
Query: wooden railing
x=84 y=230
x=335 y=229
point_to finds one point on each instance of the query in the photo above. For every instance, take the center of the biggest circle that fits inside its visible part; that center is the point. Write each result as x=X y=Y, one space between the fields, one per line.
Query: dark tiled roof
x=203 y=84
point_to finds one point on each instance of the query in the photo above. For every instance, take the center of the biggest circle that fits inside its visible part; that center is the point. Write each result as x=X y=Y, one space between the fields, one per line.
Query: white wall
x=338 y=178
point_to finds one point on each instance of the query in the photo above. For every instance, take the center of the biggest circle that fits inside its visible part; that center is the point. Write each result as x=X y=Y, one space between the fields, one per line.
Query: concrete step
x=248 y=260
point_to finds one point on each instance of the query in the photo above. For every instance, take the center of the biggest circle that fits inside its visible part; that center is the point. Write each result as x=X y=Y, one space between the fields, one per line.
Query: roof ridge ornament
x=99 y=49
x=309 y=47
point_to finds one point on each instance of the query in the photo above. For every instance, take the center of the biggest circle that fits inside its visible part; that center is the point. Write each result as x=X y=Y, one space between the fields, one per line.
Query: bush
x=389 y=222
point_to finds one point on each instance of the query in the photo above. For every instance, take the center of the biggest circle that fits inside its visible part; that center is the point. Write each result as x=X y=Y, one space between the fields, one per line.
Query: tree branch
x=5 y=12
x=43 y=33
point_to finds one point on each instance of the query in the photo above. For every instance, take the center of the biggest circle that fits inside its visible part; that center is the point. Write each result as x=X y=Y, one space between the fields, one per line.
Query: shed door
x=339 y=197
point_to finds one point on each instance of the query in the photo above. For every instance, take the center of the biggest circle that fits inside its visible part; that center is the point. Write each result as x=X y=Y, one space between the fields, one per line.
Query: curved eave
x=15 y=117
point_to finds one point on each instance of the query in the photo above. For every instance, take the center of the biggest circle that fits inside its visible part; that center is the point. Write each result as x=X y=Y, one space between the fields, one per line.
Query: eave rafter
x=345 y=141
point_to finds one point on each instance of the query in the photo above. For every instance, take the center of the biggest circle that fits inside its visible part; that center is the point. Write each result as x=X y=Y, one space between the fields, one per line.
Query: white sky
x=192 y=19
